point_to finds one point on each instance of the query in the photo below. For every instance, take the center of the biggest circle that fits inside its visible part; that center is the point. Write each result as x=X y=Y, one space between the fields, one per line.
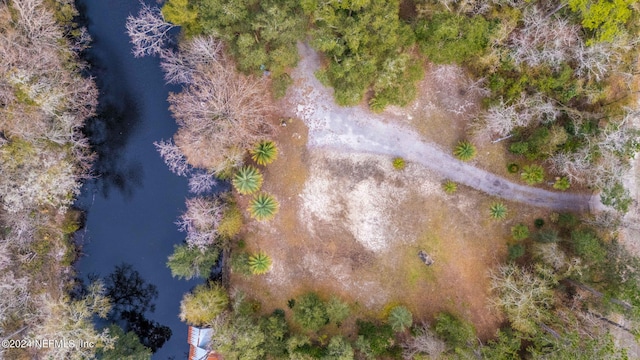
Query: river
x=132 y=204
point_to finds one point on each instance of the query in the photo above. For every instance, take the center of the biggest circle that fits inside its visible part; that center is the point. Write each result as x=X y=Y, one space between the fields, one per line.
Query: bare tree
x=37 y=22
x=543 y=40
x=173 y=157
x=200 y=221
x=176 y=68
x=13 y=287
x=65 y=319
x=525 y=297
x=179 y=66
x=425 y=342
x=501 y=119
x=148 y=31
x=201 y=182
x=39 y=176
x=220 y=107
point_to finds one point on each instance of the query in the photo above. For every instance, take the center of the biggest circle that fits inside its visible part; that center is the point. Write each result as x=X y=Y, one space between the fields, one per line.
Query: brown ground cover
x=351 y=225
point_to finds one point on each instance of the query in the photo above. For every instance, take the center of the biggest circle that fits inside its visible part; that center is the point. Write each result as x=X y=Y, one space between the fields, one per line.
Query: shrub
x=532 y=174
x=452 y=38
x=547 y=236
x=337 y=310
x=400 y=319
x=276 y=331
x=617 y=197
x=456 y=332
x=231 y=222
x=240 y=263
x=516 y=251
x=71 y=222
x=399 y=163
x=339 y=348
x=264 y=153
x=310 y=312
x=520 y=232
x=203 y=305
x=513 y=168
x=189 y=262
x=587 y=245
x=498 y=211
x=567 y=220
x=247 y=180
x=465 y=151
x=520 y=148
x=380 y=59
x=263 y=207
x=375 y=340
x=259 y=263
x=562 y=184
x=377 y=104
x=450 y=187
x=280 y=85
x=538 y=223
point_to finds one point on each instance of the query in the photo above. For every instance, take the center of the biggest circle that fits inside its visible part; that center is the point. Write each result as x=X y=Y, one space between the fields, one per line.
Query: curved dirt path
x=357 y=129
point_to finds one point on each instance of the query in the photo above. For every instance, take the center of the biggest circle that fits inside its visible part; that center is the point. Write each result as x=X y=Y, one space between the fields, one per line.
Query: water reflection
x=109 y=133
x=132 y=298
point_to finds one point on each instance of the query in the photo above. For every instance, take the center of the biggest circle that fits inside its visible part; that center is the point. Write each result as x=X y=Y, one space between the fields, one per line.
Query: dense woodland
x=44 y=101
x=46 y=96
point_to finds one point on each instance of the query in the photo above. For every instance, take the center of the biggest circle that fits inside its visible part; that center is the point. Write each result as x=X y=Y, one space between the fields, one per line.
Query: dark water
x=132 y=205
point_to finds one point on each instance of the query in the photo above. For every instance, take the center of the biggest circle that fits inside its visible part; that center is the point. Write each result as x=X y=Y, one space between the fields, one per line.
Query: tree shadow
x=131 y=298
x=109 y=133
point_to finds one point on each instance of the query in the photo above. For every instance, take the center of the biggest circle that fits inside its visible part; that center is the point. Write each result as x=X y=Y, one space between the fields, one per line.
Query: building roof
x=199 y=340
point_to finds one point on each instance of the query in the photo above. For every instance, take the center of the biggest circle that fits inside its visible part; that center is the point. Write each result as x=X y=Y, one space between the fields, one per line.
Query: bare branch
x=220 y=107
x=543 y=40
x=200 y=221
x=201 y=182
x=173 y=157
x=148 y=31
x=424 y=342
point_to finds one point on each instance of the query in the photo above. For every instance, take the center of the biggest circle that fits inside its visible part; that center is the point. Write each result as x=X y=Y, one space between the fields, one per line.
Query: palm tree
x=465 y=151
x=264 y=153
x=400 y=318
x=259 y=263
x=263 y=207
x=498 y=211
x=247 y=180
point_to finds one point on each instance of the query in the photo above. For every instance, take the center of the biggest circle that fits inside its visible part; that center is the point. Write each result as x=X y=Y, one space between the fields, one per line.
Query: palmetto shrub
x=264 y=153
x=498 y=211
x=247 y=180
x=399 y=163
x=532 y=174
x=400 y=318
x=562 y=184
x=520 y=232
x=263 y=206
x=450 y=187
x=465 y=151
x=259 y=263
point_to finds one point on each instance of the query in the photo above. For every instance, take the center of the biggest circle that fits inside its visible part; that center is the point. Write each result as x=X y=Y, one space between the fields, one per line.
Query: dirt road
x=357 y=129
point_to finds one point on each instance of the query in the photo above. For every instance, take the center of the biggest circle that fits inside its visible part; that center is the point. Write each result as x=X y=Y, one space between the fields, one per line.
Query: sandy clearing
x=355 y=129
